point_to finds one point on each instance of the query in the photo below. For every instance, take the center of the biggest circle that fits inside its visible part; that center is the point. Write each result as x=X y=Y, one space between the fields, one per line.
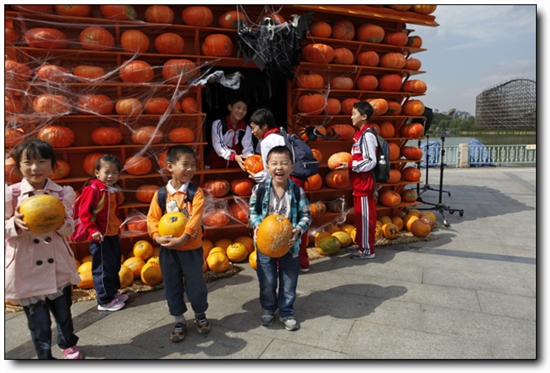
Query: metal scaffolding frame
x=512 y=104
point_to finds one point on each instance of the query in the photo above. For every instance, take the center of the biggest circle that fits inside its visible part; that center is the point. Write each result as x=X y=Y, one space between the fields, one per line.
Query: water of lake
x=485 y=140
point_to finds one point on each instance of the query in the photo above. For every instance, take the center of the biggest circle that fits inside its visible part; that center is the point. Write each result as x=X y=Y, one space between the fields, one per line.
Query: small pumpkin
x=336 y=158
x=247 y=241
x=218 y=45
x=395 y=176
x=136 y=71
x=237 y=252
x=415 y=86
x=390 y=231
x=217 y=188
x=398 y=222
x=42 y=213
x=143 y=249
x=200 y=16
x=412 y=152
x=86 y=280
x=273 y=235
x=217 y=262
x=393 y=60
x=338 y=179
x=151 y=273
x=395 y=151
x=394 y=108
x=169 y=43
x=414 y=41
x=413 y=64
x=14 y=70
x=159 y=14
x=216 y=218
x=145 y=193
x=96 y=38
x=57 y=136
x=242 y=187
x=147 y=134
x=129 y=106
x=252 y=260
x=137 y=165
x=134 y=41
x=387 y=129
x=172 y=224
x=317 y=209
x=379 y=105
x=328 y=245
x=344 y=131
x=126 y=276
x=254 y=163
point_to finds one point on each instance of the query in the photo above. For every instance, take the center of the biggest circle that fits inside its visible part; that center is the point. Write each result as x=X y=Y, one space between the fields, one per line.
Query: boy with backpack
x=181 y=257
x=364 y=152
x=263 y=126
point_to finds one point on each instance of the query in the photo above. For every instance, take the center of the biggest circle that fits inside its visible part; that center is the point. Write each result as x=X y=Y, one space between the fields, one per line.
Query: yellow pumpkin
x=85 y=267
x=247 y=241
x=216 y=249
x=143 y=249
x=153 y=259
x=42 y=213
x=390 y=231
x=347 y=228
x=353 y=234
x=384 y=220
x=252 y=259
x=378 y=232
x=207 y=245
x=398 y=222
x=172 y=224
x=86 y=281
x=218 y=262
x=135 y=264
x=409 y=220
x=319 y=235
x=126 y=276
x=223 y=243
x=237 y=252
x=332 y=228
x=343 y=237
x=151 y=274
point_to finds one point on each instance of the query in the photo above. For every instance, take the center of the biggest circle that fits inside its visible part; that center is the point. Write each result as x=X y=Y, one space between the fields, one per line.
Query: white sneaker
x=121 y=297
x=113 y=305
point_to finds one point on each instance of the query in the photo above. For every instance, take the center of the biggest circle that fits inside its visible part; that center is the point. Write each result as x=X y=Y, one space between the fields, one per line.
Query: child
x=280 y=198
x=364 y=159
x=262 y=124
x=231 y=140
x=40 y=268
x=98 y=214
x=181 y=257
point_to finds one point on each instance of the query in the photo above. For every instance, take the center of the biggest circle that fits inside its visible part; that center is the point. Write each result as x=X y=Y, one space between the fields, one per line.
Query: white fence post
x=463 y=160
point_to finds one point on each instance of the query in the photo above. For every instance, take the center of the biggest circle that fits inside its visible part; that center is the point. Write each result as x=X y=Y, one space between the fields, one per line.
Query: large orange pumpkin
x=273 y=235
x=338 y=179
x=370 y=33
x=217 y=188
x=230 y=19
x=254 y=163
x=159 y=14
x=172 y=224
x=314 y=182
x=106 y=136
x=197 y=16
x=421 y=228
x=136 y=71
x=96 y=38
x=395 y=176
x=45 y=37
x=57 y=136
x=409 y=195
x=134 y=41
x=146 y=134
x=92 y=74
x=395 y=151
x=335 y=159
x=379 y=105
x=411 y=173
x=145 y=193
x=347 y=105
x=413 y=64
x=137 y=165
x=414 y=41
x=368 y=58
x=50 y=104
x=389 y=198
x=42 y=213
x=169 y=43
x=393 y=60
x=412 y=152
x=318 y=53
x=415 y=86
x=311 y=104
x=343 y=29
x=242 y=187
x=396 y=38
x=387 y=129
x=216 y=218
x=175 y=69
x=14 y=70
x=344 y=131
x=394 y=108
x=189 y=105
x=129 y=106
x=218 y=45
x=156 y=105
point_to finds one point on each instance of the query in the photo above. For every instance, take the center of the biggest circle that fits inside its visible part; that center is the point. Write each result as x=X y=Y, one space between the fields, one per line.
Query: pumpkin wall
x=94 y=79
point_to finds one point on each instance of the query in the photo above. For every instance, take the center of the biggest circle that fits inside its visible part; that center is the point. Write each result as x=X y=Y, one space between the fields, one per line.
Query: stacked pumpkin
x=218 y=255
x=329 y=240
x=419 y=223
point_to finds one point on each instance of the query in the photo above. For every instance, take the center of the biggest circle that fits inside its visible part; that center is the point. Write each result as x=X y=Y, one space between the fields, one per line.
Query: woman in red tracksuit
x=98 y=213
x=262 y=124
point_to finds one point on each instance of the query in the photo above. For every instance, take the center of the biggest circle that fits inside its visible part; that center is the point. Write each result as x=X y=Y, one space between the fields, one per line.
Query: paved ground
x=471 y=293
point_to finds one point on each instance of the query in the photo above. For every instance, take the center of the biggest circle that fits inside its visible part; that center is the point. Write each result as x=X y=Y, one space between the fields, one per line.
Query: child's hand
x=342 y=166
x=18 y=221
x=240 y=161
x=171 y=242
x=295 y=234
x=96 y=236
x=251 y=175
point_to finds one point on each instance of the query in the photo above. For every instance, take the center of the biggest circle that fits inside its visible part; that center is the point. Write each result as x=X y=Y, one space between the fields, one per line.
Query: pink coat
x=38 y=264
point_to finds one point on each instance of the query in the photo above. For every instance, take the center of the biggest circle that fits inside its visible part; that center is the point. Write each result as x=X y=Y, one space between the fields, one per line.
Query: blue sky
x=474 y=48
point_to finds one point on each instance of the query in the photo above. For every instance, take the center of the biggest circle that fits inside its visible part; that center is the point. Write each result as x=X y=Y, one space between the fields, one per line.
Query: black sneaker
x=203 y=326
x=267 y=317
x=178 y=334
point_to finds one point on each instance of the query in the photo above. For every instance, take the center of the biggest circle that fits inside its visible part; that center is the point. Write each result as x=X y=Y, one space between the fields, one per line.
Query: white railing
x=482 y=155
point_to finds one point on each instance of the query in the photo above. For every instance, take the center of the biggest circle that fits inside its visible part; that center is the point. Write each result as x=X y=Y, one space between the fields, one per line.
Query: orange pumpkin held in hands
x=254 y=163
x=336 y=158
x=273 y=235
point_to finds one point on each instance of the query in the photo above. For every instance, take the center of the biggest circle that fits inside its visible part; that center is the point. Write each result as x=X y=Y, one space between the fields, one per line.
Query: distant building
x=512 y=104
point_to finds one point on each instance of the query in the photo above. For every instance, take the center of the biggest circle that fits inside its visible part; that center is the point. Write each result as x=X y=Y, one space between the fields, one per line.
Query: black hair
x=110 y=159
x=177 y=151
x=263 y=116
x=35 y=149
x=363 y=107
x=234 y=99
x=280 y=149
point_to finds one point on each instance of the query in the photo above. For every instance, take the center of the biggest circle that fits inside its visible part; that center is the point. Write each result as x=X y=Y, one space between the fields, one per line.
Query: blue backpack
x=305 y=164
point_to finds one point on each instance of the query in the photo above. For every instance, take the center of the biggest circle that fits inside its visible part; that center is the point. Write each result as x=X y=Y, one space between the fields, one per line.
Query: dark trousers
x=105 y=267
x=39 y=323
x=177 y=265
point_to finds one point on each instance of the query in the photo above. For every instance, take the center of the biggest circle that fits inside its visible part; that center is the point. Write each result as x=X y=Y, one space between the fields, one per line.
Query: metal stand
x=441 y=207
x=426 y=185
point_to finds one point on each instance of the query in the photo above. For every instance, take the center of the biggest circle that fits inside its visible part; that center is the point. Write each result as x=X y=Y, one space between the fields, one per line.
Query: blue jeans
x=286 y=274
x=105 y=267
x=177 y=265
x=39 y=323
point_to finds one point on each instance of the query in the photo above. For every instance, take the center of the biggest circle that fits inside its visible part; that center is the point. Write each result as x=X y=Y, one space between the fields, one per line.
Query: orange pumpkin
x=118 y=12
x=415 y=86
x=247 y=241
x=398 y=222
x=390 y=83
x=395 y=151
x=379 y=105
x=413 y=107
x=411 y=173
x=237 y=252
x=169 y=43
x=156 y=105
x=320 y=29
x=90 y=162
x=95 y=104
x=53 y=74
x=217 y=262
x=395 y=176
x=181 y=135
x=254 y=163
x=317 y=209
x=394 y=108
x=421 y=228
x=219 y=45
x=197 y=16
x=57 y=136
x=230 y=19
x=137 y=165
x=34 y=8
x=273 y=235
x=42 y=213
x=390 y=231
x=45 y=37
x=310 y=81
x=393 y=60
x=61 y=170
x=367 y=83
x=145 y=193
x=396 y=38
x=136 y=71
x=134 y=41
x=242 y=187
x=409 y=195
x=343 y=30
x=389 y=198
x=146 y=134
x=368 y=58
x=216 y=218
x=129 y=106
x=414 y=41
x=314 y=182
x=387 y=130
x=239 y=211
x=318 y=53
x=179 y=70
x=50 y=104
x=413 y=64
x=13 y=105
x=336 y=158
x=11 y=173
x=341 y=82
x=347 y=105
x=13 y=136
x=172 y=224
x=126 y=276
x=424 y=9
x=87 y=73
x=370 y=33
x=343 y=56
x=338 y=179
x=189 y=105
x=411 y=152
x=14 y=70
x=217 y=188
x=344 y=131
x=312 y=104
x=159 y=14
x=414 y=130
x=96 y=38
x=334 y=107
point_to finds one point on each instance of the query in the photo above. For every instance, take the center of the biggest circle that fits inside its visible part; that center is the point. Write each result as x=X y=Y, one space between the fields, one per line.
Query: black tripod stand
x=427 y=186
x=441 y=207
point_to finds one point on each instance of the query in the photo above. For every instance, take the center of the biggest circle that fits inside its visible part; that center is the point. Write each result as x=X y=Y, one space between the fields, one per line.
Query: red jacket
x=99 y=222
x=363 y=151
